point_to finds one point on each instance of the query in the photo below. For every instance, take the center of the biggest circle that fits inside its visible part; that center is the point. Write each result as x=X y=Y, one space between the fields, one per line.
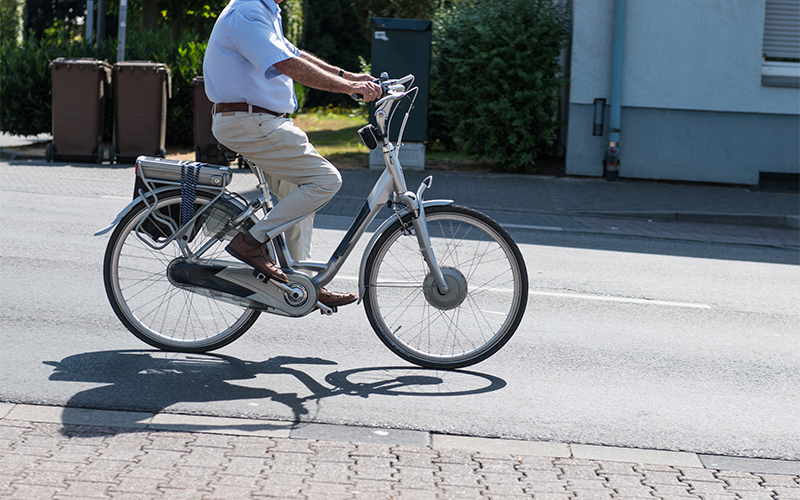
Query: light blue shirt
x=246 y=42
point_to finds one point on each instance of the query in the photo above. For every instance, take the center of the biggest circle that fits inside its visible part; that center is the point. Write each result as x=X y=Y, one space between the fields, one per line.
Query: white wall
x=679 y=54
x=693 y=106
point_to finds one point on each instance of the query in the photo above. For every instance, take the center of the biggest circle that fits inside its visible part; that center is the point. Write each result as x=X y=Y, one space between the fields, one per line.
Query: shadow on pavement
x=151 y=381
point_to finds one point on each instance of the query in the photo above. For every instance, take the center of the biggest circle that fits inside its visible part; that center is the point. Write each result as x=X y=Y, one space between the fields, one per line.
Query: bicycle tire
x=147 y=302
x=480 y=313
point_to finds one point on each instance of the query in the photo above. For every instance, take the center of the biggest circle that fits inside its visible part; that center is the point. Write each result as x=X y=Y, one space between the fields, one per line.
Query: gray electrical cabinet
x=400 y=47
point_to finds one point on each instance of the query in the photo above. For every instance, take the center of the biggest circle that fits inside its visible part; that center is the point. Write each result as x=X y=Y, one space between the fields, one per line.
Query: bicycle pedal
x=329 y=311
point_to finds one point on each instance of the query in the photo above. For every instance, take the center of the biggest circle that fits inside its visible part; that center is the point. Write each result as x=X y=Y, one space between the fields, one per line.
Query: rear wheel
x=488 y=289
x=143 y=297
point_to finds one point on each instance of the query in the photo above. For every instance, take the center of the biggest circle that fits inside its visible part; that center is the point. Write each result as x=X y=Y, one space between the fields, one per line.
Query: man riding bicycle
x=249 y=72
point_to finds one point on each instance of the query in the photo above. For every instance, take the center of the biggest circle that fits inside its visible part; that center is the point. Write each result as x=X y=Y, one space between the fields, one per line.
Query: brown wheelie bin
x=140 y=115
x=206 y=147
x=79 y=89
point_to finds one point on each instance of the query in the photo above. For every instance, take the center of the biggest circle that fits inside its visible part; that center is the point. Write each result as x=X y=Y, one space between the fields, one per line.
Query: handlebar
x=387 y=86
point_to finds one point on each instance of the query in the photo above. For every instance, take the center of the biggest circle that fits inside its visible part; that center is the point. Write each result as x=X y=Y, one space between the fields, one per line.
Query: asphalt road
x=627 y=341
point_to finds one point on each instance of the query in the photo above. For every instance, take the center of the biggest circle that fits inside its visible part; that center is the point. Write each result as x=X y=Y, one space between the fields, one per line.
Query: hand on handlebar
x=366 y=91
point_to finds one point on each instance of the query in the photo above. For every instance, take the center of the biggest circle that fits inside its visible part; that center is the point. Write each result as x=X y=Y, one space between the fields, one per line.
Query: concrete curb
x=761 y=220
x=12 y=155
x=145 y=421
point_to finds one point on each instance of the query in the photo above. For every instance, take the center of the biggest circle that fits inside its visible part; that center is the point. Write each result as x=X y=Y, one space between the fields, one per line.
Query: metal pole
x=612 y=154
x=101 y=21
x=89 y=20
x=123 y=16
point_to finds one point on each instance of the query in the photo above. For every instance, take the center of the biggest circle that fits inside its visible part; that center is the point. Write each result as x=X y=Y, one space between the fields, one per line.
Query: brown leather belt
x=229 y=107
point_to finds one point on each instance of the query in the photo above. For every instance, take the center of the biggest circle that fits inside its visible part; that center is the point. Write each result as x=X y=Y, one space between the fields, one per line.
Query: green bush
x=496 y=79
x=26 y=84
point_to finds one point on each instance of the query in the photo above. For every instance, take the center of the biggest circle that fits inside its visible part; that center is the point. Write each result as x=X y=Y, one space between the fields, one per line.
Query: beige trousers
x=299 y=177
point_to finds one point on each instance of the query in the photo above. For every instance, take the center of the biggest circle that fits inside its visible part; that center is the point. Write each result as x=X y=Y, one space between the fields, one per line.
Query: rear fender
x=149 y=195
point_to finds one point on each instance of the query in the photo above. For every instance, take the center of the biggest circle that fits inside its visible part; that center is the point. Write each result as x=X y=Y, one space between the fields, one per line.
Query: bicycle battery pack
x=160 y=169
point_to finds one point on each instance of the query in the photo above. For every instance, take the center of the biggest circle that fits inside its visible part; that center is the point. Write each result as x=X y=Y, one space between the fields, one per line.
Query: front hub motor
x=454 y=297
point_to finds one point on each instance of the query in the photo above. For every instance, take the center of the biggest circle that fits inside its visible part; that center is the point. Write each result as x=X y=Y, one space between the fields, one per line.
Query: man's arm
x=313 y=72
x=328 y=68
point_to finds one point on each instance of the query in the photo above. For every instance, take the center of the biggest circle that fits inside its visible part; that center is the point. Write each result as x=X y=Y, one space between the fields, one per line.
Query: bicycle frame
x=389 y=190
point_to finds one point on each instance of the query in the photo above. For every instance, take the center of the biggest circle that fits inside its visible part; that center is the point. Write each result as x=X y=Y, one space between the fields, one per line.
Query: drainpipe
x=123 y=26
x=89 y=20
x=611 y=163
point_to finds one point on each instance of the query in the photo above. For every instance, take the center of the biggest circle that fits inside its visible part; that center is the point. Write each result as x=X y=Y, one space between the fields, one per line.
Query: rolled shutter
x=782 y=29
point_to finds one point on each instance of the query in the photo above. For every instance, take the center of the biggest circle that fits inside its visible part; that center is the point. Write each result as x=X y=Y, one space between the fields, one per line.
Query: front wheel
x=488 y=289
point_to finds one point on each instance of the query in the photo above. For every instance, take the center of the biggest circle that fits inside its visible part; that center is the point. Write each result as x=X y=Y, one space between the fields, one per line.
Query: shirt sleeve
x=258 y=40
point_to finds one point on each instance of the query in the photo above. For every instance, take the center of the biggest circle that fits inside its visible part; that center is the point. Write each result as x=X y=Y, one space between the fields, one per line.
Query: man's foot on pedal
x=336 y=299
x=249 y=250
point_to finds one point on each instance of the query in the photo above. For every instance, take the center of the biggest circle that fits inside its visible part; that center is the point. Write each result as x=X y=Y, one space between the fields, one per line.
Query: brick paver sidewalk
x=49 y=460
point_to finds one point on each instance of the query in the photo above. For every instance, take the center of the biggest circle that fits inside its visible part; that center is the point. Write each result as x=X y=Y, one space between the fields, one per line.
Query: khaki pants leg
x=298 y=237
x=281 y=151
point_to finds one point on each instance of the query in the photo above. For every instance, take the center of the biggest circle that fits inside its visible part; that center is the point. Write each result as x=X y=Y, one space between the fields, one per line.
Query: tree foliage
x=10 y=20
x=331 y=32
x=44 y=15
x=496 y=78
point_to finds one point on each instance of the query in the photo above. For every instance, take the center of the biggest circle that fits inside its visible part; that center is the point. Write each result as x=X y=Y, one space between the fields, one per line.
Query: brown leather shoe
x=251 y=251
x=336 y=299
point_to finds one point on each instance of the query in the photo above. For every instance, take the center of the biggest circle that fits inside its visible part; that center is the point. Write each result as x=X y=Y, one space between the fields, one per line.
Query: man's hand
x=368 y=90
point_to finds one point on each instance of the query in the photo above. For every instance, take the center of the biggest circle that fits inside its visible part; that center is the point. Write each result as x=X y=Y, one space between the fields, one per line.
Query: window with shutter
x=781 y=47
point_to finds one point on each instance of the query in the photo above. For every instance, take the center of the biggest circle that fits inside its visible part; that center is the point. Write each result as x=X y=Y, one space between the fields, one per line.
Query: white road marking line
x=628 y=300
x=581 y=296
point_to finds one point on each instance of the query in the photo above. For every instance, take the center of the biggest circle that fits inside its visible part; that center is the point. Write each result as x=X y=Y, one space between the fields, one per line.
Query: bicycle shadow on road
x=149 y=382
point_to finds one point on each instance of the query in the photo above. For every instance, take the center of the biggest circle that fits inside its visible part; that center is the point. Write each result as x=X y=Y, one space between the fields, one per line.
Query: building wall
x=694 y=107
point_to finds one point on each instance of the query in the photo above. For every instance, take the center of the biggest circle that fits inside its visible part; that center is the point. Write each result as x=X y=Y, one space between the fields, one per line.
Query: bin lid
x=145 y=65
x=392 y=23
x=80 y=62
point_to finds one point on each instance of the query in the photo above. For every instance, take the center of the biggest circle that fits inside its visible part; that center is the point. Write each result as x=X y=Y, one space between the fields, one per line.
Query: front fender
x=378 y=232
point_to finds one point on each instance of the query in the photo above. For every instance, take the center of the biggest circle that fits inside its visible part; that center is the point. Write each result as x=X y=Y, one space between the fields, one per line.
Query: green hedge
x=26 y=85
x=496 y=79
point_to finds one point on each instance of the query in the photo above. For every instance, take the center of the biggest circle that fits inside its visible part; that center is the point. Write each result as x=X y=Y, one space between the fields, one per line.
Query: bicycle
x=443 y=286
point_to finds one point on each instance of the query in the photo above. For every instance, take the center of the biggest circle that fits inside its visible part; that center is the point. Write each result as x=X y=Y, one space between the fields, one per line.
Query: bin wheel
x=48 y=152
x=100 y=154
